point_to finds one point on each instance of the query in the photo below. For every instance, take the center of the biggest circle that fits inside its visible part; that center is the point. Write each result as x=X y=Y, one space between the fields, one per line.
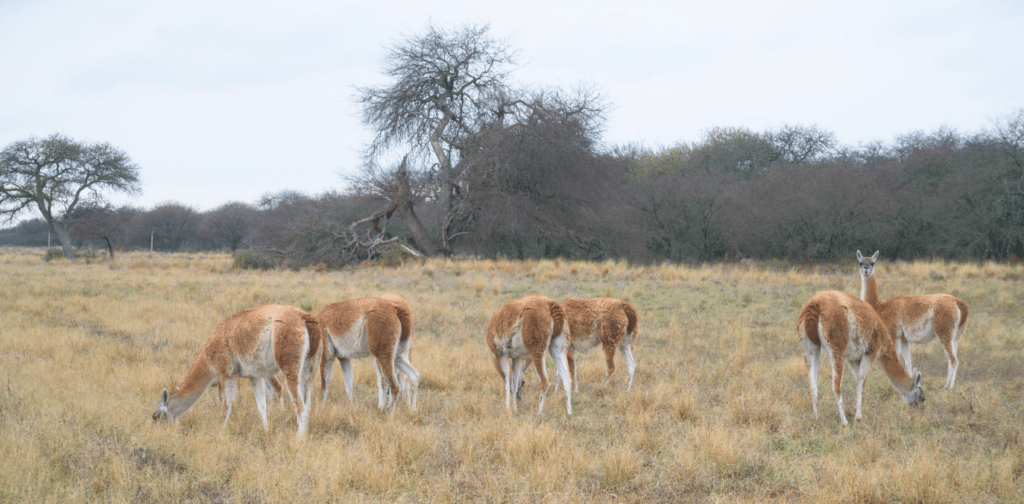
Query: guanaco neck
x=869 y=290
x=898 y=375
x=197 y=380
x=894 y=369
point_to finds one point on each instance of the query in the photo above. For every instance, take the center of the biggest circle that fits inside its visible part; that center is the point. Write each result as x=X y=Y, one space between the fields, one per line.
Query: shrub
x=252 y=259
x=391 y=257
x=52 y=254
x=90 y=254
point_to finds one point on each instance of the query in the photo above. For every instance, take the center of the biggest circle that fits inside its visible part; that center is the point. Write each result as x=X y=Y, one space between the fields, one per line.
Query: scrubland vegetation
x=720 y=410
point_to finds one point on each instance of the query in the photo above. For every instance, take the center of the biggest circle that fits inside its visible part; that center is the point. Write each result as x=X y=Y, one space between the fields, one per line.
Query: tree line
x=789 y=193
x=465 y=161
x=745 y=194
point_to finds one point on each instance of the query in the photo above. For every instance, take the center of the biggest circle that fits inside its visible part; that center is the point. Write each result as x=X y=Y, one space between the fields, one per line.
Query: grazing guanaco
x=257 y=344
x=380 y=327
x=611 y=323
x=850 y=331
x=519 y=333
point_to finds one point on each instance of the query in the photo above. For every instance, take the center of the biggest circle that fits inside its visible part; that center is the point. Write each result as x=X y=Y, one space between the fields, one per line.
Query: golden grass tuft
x=719 y=411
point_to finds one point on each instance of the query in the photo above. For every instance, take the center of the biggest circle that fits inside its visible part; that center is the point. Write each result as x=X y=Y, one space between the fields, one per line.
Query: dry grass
x=719 y=412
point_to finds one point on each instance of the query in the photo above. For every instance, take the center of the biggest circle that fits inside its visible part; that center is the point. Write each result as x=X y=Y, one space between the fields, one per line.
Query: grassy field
x=720 y=410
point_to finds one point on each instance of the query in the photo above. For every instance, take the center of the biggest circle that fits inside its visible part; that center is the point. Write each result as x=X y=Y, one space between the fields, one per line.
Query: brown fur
x=519 y=332
x=852 y=332
x=612 y=323
x=380 y=327
x=404 y=314
x=257 y=344
x=917 y=318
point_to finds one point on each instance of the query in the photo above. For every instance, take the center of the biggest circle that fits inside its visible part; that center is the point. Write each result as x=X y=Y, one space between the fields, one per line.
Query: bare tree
x=1010 y=135
x=272 y=201
x=535 y=182
x=437 y=97
x=449 y=103
x=272 y=228
x=803 y=144
x=104 y=221
x=56 y=174
x=168 y=227
x=398 y=191
x=331 y=229
x=733 y=150
x=228 y=224
x=319 y=236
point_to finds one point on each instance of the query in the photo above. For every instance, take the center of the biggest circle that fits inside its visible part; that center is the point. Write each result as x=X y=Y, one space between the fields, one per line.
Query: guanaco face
x=867 y=268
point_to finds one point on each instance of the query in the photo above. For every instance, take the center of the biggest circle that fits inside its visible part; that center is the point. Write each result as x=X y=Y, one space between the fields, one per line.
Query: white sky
x=222 y=101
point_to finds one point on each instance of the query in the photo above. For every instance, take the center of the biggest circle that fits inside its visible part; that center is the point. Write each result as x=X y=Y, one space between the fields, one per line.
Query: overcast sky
x=222 y=101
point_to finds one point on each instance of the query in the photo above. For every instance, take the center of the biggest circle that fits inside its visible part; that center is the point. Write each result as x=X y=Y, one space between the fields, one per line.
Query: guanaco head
x=916 y=394
x=162 y=413
x=867 y=264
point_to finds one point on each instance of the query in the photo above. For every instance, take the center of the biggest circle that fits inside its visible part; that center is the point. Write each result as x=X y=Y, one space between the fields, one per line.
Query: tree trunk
x=63 y=236
x=404 y=207
x=110 y=246
x=444 y=176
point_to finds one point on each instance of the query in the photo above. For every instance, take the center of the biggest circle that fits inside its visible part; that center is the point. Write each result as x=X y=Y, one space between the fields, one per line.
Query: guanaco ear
x=917 y=378
x=163 y=401
x=860 y=257
x=875 y=256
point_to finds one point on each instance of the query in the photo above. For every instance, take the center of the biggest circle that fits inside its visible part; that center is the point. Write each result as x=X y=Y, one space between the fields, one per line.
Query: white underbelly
x=922 y=332
x=586 y=343
x=511 y=343
x=352 y=344
x=857 y=346
x=260 y=361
